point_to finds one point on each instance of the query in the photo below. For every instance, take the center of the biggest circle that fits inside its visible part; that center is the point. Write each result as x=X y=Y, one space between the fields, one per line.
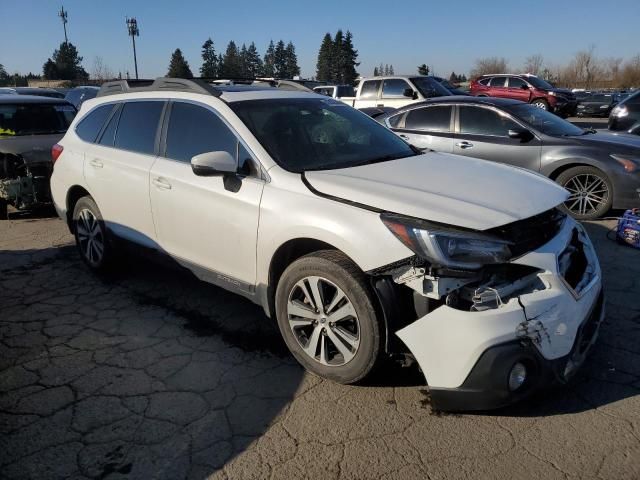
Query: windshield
x=429 y=87
x=539 y=83
x=318 y=134
x=544 y=121
x=34 y=119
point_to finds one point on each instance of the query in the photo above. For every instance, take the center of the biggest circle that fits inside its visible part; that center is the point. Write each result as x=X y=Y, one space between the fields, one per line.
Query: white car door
x=207 y=223
x=117 y=167
x=428 y=128
x=368 y=94
x=393 y=93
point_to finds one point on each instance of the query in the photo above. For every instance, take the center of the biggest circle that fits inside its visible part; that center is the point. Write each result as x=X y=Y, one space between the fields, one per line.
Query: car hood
x=33 y=148
x=615 y=141
x=444 y=188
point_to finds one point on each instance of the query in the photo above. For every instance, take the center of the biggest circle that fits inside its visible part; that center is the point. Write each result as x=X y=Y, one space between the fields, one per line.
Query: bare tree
x=100 y=71
x=488 y=65
x=612 y=67
x=534 y=64
x=630 y=75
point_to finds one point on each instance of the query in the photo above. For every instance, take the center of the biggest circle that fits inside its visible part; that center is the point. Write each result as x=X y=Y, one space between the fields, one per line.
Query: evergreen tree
x=349 y=72
x=231 y=62
x=49 y=70
x=423 y=69
x=280 y=60
x=386 y=69
x=244 y=67
x=178 y=66
x=463 y=78
x=253 y=62
x=381 y=70
x=325 y=59
x=375 y=71
x=209 y=66
x=268 y=67
x=391 y=70
x=291 y=61
x=68 y=64
x=339 y=59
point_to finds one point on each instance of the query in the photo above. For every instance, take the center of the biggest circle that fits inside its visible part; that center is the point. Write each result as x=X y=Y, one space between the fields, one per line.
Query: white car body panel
x=448 y=342
x=444 y=188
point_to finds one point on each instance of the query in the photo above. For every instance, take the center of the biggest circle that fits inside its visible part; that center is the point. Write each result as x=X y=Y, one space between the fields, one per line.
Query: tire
x=541 y=104
x=591 y=192
x=92 y=238
x=358 y=323
x=4 y=213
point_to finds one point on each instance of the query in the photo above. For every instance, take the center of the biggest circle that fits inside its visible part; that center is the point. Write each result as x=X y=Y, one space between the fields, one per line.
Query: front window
x=515 y=82
x=34 y=119
x=544 y=121
x=318 y=134
x=484 y=121
x=394 y=88
x=428 y=87
x=539 y=83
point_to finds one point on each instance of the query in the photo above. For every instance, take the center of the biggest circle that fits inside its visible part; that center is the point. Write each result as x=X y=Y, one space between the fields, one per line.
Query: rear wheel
x=541 y=104
x=591 y=192
x=326 y=314
x=91 y=235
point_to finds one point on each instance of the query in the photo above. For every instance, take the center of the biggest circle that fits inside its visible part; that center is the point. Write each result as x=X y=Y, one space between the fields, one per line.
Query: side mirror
x=520 y=133
x=210 y=164
x=410 y=93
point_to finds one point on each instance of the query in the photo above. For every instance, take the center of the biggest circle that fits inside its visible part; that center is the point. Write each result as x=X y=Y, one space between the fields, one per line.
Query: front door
x=208 y=224
x=483 y=132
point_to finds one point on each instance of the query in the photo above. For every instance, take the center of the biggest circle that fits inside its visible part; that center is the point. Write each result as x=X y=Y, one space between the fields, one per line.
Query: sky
x=446 y=35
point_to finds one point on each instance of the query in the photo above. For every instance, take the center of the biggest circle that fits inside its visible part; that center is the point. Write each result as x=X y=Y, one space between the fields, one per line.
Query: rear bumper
x=487 y=388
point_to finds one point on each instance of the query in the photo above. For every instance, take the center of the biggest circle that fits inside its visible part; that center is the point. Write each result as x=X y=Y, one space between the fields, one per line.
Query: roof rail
x=159 y=84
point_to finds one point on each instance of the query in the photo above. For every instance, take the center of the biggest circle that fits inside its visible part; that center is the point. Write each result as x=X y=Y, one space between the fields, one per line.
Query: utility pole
x=63 y=16
x=132 y=28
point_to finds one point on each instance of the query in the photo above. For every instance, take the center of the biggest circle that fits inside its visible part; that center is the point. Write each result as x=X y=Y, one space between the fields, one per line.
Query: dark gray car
x=600 y=170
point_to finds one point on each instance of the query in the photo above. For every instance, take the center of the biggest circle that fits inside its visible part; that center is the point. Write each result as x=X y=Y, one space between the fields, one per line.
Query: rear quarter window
x=92 y=123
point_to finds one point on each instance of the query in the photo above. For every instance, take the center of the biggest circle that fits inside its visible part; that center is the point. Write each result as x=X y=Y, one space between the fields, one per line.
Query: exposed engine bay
x=24 y=181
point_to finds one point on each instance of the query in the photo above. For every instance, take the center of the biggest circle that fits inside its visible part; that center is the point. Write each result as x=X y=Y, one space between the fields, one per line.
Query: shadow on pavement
x=147 y=374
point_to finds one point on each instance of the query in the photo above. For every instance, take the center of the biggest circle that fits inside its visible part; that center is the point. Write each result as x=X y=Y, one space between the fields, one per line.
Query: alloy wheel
x=90 y=236
x=540 y=105
x=323 y=321
x=588 y=194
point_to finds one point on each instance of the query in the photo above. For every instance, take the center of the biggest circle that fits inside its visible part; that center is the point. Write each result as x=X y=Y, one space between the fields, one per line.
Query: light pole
x=132 y=28
x=63 y=16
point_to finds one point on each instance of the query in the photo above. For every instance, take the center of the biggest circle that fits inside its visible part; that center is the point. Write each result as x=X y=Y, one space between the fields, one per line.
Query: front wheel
x=327 y=316
x=541 y=104
x=91 y=235
x=590 y=192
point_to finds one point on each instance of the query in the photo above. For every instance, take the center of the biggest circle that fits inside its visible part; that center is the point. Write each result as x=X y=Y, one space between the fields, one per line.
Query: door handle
x=161 y=183
x=464 y=145
x=406 y=137
x=94 y=162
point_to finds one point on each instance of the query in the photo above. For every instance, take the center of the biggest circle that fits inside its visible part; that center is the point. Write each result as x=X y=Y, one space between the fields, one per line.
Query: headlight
x=445 y=246
x=620 y=111
x=553 y=94
x=630 y=163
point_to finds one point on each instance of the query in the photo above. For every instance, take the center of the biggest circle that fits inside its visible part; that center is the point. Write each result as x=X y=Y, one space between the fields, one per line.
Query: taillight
x=56 y=151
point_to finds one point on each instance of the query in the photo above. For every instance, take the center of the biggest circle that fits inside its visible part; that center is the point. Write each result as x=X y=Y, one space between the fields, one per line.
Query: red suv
x=527 y=88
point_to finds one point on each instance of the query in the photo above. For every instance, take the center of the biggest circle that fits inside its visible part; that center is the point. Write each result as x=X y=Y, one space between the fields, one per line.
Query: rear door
x=117 y=169
x=368 y=94
x=483 y=132
x=498 y=87
x=428 y=127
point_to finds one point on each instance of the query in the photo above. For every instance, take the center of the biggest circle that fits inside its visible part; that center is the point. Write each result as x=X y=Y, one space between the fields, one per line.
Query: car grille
x=531 y=233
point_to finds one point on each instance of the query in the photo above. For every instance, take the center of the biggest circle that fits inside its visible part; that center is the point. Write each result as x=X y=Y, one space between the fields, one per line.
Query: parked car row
x=360 y=245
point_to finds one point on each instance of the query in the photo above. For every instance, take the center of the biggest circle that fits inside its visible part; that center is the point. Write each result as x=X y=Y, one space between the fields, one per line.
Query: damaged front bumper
x=467 y=356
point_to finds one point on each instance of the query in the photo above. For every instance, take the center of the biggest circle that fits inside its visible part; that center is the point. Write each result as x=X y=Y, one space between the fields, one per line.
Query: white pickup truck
x=394 y=91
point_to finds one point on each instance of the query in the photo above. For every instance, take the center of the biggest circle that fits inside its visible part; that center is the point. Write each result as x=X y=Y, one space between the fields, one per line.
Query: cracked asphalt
x=153 y=374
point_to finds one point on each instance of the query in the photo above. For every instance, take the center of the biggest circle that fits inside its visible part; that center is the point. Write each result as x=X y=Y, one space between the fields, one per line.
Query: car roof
x=458 y=99
x=35 y=89
x=13 y=99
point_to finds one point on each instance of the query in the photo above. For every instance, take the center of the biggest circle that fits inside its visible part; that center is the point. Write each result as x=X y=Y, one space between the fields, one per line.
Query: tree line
x=279 y=61
x=585 y=70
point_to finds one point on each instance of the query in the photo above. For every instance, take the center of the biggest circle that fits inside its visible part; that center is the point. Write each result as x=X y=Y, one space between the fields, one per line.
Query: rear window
x=138 y=127
x=370 y=89
x=91 y=124
x=35 y=118
x=431 y=119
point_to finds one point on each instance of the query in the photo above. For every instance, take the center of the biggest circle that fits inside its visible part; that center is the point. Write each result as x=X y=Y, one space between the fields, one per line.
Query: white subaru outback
x=361 y=247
